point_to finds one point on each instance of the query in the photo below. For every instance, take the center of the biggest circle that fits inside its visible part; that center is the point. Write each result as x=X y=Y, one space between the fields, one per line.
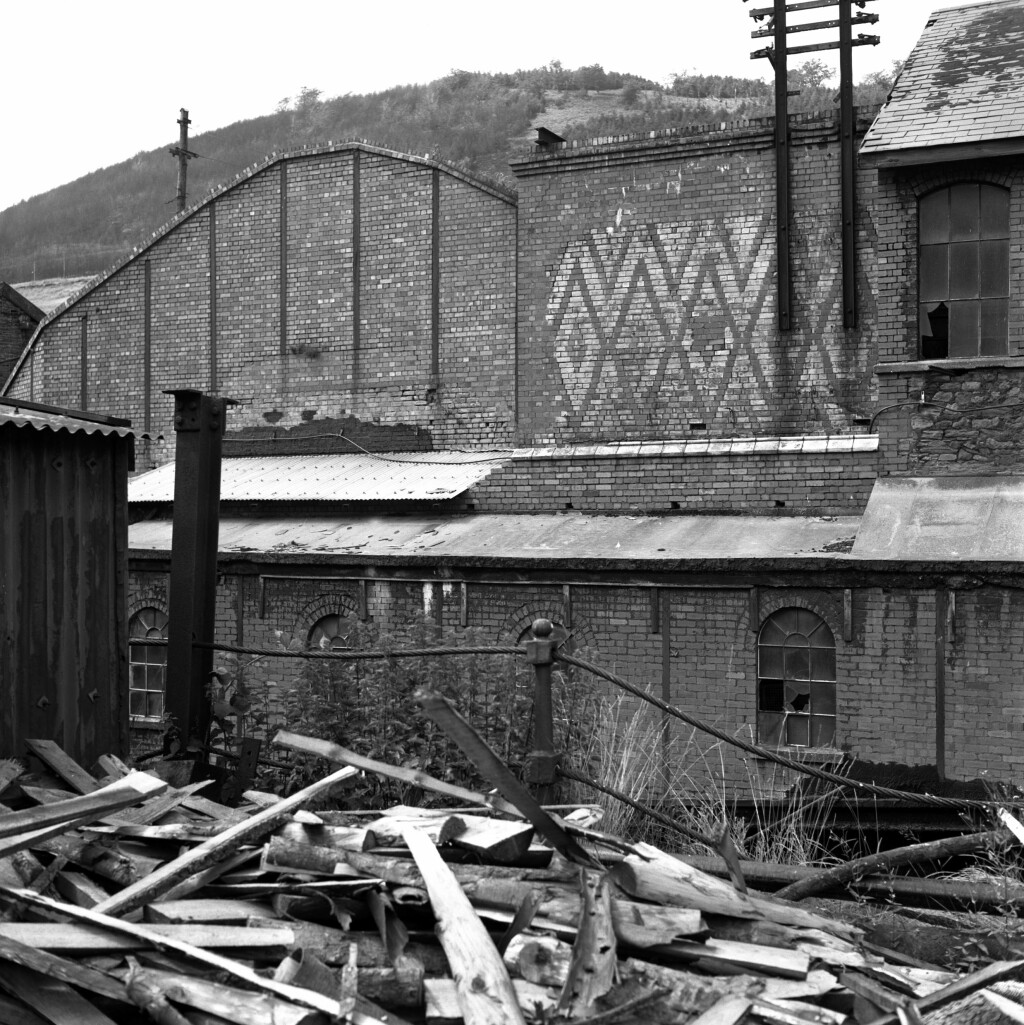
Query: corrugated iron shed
x=355 y=477
x=63 y=566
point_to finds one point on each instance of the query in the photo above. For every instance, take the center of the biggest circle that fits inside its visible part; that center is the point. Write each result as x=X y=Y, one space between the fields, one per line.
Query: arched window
x=147 y=665
x=964 y=271
x=796 y=680
x=331 y=633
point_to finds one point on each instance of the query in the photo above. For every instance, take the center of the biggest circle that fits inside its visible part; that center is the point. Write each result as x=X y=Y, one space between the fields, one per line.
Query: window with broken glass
x=147 y=665
x=796 y=688
x=964 y=271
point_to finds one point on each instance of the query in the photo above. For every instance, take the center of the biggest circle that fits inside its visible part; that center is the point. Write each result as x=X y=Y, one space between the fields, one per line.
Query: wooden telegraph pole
x=778 y=29
x=184 y=155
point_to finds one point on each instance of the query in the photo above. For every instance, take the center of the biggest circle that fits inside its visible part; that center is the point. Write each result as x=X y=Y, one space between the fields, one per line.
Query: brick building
x=603 y=351
x=19 y=319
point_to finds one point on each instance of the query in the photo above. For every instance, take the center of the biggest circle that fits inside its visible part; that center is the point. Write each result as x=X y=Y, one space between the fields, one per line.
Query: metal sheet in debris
x=332 y=478
x=970 y=518
x=540 y=538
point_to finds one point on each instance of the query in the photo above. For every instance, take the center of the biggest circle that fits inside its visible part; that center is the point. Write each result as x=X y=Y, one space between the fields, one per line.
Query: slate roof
x=962 y=86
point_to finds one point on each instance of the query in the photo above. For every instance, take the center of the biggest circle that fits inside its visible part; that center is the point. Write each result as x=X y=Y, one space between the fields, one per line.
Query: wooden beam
x=215 y=849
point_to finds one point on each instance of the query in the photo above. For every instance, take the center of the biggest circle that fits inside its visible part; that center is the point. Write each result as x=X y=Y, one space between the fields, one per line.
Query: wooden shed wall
x=63 y=561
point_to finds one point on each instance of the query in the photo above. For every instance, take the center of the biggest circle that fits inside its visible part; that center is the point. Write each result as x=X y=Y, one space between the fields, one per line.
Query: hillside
x=472 y=119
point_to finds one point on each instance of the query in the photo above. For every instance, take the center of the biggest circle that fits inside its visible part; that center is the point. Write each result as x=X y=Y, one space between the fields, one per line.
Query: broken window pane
x=963 y=256
x=806 y=653
x=772 y=696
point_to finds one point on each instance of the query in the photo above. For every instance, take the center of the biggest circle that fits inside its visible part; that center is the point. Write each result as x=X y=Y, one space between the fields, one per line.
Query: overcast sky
x=89 y=85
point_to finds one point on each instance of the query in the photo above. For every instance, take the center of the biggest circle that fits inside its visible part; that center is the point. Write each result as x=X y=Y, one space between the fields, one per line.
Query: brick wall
x=18 y=319
x=898 y=650
x=647 y=298
x=806 y=476
x=347 y=282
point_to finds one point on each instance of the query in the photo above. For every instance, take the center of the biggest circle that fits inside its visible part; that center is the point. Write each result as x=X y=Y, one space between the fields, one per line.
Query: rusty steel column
x=541 y=766
x=199 y=425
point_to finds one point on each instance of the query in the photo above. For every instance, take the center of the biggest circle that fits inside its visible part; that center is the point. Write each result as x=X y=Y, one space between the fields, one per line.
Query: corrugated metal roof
x=17 y=417
x=971 y=518
x=333 y=478
x=963 y=83
x=577 y=538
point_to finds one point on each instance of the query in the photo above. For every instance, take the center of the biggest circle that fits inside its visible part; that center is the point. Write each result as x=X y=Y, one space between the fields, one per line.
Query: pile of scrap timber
x=123 y=899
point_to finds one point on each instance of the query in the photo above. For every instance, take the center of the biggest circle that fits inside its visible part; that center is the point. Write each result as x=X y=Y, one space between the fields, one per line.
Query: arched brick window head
x=147 y=665
x=964 y=271
x=796 y=680
x=331 y=633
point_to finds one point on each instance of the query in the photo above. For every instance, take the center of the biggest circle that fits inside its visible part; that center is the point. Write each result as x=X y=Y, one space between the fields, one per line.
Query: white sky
x=89 y=85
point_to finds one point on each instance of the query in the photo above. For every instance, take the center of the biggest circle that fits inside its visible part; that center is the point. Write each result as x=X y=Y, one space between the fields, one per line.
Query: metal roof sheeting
x=980 y=519
x=577 y=538
x=18 y=417
x=431 y=476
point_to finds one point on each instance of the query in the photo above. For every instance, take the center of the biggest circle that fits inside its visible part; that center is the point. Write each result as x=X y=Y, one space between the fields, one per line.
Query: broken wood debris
x=128 y=900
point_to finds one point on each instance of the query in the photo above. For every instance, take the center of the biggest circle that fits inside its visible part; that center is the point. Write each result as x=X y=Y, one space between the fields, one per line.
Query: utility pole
x=184 y=155
x=778 y=29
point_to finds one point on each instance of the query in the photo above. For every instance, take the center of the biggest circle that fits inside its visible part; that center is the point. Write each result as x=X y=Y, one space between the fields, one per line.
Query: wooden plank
x=442 y=1002
x=190 y=950
x=14 y=1012
x=64 y=766
x=726 y=1011
x=501 y=840
x=122 y=794
x=183 y=911
x=14 y=952
x=239 y=1006
x=84 y=938
x=216 y=848
x=77 y=888
x=52 y=998
x=265 y=800
x=483 y=987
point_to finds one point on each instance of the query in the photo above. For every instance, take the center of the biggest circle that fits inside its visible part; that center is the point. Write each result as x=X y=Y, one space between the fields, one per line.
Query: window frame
x=154 y=621
x=796 y=699
x=963 y=271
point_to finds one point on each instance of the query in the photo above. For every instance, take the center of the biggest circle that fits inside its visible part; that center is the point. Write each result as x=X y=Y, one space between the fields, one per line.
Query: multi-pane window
x=964 y=271
x=147 y=665
x=796 y=680
x=331 y=633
